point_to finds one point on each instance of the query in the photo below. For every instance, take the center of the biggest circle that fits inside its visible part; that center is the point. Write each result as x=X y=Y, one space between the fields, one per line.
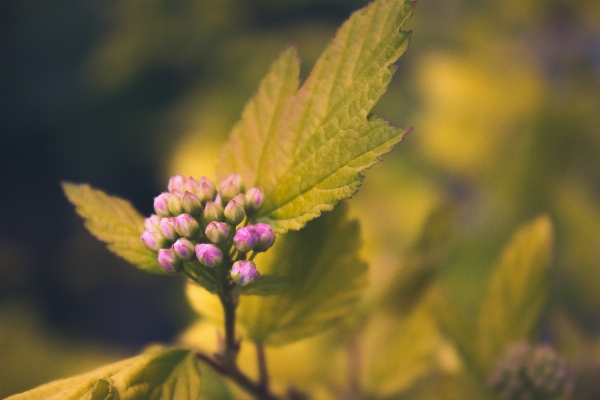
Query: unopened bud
x=175 y=206
x=168 y=261
x=245 y=239
x=231 y=187
x=152 y=223
x=206 y=189
x=234 y=212
x=191 y=204
x=161 y=204
x=167 y=228
x=213 y=211
x=217 y=232
x=177 y=182
x=255 y=199
x=186 y=225
x=266 y=236
x=244 y=272
x=209 y=255
x=183 y=249
x=153 y=240
x=190 y=185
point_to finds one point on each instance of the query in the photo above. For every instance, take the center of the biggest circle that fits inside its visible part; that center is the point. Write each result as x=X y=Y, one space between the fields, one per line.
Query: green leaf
x=517 y=290
x=307 y=150
x=328 y=279
x=115 y=222
x=159 y=373
x=267 y=285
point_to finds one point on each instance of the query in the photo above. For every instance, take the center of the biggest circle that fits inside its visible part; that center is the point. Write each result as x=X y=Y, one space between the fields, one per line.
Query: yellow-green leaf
x=115 y=222
x=517 y=290
x=158 y=374
x=307 y=150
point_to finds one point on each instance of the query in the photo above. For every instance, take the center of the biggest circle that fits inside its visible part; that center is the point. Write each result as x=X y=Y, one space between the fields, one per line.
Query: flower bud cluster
x=523 y=372
x=198 y=220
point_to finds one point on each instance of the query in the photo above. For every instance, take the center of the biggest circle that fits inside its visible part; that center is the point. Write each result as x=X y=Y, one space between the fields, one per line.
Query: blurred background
x=503 y=96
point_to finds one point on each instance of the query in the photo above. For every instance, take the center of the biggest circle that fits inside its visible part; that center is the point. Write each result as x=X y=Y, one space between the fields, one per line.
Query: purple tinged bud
x=183 y=249
x=191 y=185
x=206 y=189
x=186 y=225
x=168 y=261
x=217 y=232
x=244 y=272
x=177 y=182
x=191 y=203
x=213 y=211
x=153 y=240
x=152 y=223
x=231 y=187
x=175 y=205
x=161 y=204
x=245 y=239
x=255 y=199
x=234 y=213
x=266 y=236
x=167 y=228
x=240 y=199
x=209 y=255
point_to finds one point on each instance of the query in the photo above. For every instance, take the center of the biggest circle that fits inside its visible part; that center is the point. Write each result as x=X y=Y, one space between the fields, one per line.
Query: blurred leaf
x=115 y=222
x=422 y=261
x=159 y=373
x=267 y=285
x=517 y=290
x=328 y=278
x=312 y=147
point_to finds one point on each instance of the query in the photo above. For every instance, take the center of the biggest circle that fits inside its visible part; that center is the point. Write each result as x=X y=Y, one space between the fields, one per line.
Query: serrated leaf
x=267 y=285
x=328 y=278
x=113 y=221
x=315 y=144
x=517 y=290
x=159 y=373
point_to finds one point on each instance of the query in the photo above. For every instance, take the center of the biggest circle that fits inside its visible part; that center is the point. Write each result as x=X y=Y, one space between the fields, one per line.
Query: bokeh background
x=503 y=95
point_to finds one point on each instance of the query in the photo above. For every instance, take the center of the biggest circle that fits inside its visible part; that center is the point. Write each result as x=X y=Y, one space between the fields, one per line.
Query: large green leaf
x=327 y=279
x=115 y=222
x=307 y=150
x=517 y=290
x=159 y=373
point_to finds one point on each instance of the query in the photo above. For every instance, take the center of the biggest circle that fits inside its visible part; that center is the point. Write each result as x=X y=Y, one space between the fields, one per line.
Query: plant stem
x=263 y=375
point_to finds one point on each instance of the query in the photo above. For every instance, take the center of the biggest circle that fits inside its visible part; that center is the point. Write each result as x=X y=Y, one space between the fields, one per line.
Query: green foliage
x=307 y=149
x=113 y=221
x=159 y=373
x=517 y=290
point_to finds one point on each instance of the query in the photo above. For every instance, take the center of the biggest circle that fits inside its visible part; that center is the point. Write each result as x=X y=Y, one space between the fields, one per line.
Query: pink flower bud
x=161 y=204
x=175 y=206
x=217 y=232
x=167 y=228
x=177 y=182
x=244 y=272
x=255 y=199
x=153 y=240
x=234 y=213
x=245 y=239
x=186 y=225
x=231 y=187
x=168 y=261
x=209 y=255
x=191 y=203
x=206 y=189
x=191 y=185
x=213 y=212
x=266 y=236
x=183 y=249
x=152 y=223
